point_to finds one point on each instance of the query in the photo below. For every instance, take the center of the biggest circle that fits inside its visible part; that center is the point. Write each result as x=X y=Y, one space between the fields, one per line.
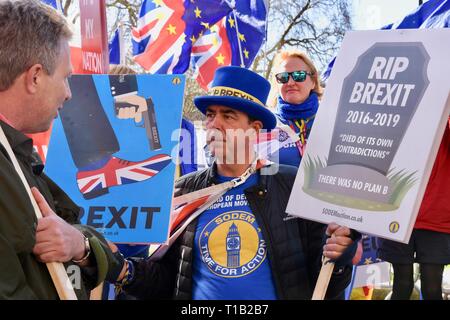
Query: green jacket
x=21 y=275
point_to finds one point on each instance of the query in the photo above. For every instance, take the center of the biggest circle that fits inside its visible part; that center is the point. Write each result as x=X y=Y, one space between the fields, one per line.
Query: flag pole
x=121 y=44
x=267 y=5
x=237 y=35
x=57 y=271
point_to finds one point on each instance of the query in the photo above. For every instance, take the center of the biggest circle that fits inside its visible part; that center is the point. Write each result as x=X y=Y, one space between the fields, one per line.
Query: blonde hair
x=283 y=55
x=30 y=33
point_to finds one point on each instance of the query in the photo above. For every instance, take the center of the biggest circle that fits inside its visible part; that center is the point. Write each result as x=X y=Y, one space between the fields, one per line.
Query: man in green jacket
x=34 y=68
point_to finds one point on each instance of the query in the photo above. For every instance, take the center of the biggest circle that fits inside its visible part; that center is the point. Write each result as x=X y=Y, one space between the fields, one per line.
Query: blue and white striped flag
x=116 y=48
x=431 y=14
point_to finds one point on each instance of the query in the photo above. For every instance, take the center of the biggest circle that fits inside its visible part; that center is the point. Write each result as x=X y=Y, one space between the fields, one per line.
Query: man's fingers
x=42 y=237
x=51 y=252
x=332 y=254
x=337 y=230
x=334 y=247
x=41 y=202
x=51 y=256
x=342 y=231
x=43 y=247
x=331 y=228
x=342 y=240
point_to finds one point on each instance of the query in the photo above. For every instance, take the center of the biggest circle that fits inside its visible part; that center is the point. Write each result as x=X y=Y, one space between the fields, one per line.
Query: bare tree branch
x=315 y=26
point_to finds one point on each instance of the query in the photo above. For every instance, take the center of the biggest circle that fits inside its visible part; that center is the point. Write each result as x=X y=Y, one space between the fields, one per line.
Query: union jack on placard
x=119 y=172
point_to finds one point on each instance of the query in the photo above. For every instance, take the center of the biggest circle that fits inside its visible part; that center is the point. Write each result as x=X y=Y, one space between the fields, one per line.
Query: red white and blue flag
x=209 y=51
x=159 y=37
x=270 y=142
x=119 y=172
x=172 y=34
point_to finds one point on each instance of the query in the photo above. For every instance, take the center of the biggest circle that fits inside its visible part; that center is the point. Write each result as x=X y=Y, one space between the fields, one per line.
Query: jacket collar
x=22 y=146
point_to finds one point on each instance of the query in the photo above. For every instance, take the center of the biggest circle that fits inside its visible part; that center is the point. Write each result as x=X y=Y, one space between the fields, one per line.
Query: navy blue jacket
x=294 y=245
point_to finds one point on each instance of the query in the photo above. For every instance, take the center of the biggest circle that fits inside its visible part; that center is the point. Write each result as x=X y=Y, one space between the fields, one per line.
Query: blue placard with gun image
x=113 y=151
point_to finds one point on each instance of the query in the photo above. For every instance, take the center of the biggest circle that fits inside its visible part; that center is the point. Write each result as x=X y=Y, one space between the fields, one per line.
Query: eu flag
x=170 y=35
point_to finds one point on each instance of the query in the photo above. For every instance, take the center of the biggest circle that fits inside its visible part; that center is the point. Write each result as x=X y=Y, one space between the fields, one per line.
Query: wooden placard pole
x=323 y=280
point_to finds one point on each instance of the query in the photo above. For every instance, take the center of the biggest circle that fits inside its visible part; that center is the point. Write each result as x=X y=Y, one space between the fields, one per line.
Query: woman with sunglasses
x=295 y=95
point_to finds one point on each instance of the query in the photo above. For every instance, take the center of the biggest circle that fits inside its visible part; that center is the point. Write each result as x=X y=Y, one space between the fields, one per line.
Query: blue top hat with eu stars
x=239 y=89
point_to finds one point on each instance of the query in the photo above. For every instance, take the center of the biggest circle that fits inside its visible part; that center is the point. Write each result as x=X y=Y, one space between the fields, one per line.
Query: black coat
x=22 y=276
x=294 y=245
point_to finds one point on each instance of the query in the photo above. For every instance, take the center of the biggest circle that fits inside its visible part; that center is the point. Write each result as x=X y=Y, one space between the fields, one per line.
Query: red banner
x=94 y=37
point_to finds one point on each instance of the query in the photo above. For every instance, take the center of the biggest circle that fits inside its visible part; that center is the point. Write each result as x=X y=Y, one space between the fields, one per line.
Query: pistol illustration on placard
x=129 y=104
x=148 y=119
x=92 y=140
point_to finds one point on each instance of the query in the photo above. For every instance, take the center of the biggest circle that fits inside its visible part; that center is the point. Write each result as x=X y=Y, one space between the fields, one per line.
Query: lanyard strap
x=218 y=188
x=301 y=125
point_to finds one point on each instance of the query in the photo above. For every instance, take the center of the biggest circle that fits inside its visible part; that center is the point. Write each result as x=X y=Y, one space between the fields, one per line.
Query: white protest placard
x=377 y=132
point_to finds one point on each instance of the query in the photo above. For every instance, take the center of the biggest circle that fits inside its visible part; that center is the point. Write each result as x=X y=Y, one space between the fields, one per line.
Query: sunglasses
x=297 y=76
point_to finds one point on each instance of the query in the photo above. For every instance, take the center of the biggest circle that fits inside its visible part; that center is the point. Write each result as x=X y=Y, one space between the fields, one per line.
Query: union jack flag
x=159 y=37
x=169 y=32
x=209 y=51
x=117 y=172
x=269 y=143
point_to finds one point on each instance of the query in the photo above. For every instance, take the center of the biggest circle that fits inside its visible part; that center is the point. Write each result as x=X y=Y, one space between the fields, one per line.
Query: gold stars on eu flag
x=241 y=37
x=246 y=53
x=231 y=22
x=197 y=12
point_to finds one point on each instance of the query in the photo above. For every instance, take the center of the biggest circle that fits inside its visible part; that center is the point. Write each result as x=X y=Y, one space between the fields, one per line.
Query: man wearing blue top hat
x=243 y=245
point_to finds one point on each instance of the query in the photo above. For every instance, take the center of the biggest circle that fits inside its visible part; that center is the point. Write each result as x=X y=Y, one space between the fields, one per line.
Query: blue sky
x=373 y=14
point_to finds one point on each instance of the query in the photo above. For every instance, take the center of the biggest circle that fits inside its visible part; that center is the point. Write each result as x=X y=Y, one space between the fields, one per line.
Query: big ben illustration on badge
x=233 y=242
